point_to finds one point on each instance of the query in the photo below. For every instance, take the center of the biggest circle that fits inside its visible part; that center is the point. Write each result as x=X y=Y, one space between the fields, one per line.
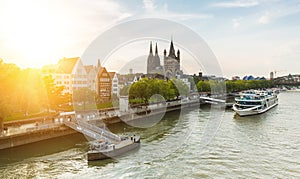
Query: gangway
x=92 y=131
x=87 y=129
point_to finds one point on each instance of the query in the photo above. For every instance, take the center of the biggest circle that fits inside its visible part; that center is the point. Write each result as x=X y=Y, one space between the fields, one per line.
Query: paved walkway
x=44 y=124
x=29 y=127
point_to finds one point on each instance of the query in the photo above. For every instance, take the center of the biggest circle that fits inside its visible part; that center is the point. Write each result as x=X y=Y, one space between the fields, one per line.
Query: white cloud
x=278 y=12
x=236 y=4
x=149 y=5
x=264 y=19
x=152 y=10
x=236 y=22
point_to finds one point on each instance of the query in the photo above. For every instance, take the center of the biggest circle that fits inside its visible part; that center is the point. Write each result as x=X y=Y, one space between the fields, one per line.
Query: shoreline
x=60 y=129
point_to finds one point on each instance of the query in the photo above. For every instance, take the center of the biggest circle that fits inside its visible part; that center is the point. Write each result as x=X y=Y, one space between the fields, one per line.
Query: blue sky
x=247 y=36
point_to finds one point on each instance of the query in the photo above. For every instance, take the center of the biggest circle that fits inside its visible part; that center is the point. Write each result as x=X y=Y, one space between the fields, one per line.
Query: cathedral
x=171 y=66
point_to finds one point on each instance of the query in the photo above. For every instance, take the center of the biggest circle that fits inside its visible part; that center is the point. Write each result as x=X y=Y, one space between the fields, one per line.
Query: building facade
x=70 y=73
x=171 y=67
x=153 y=62
x=114 y=83
x=91 y=77
x=104 y=85
x=172 y=62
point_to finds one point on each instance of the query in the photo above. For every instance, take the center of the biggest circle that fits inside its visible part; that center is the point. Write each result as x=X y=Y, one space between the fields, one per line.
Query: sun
x=31 y=32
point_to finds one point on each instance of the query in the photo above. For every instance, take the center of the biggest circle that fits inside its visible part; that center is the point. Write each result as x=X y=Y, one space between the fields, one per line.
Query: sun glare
x=32 y=32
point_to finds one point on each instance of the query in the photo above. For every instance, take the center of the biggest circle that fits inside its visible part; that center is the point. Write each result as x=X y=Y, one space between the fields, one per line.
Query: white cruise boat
x=254 y=102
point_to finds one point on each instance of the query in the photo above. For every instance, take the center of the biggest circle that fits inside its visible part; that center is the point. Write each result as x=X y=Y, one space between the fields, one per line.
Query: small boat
x=254 y=102
x=104 y=149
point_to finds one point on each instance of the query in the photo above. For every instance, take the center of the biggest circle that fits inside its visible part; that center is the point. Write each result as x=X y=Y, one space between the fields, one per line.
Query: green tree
x=84 y=98
x=140 y=90
x=180 y=88
x=54 y=94
x=125 y=90
x=145 y=88
x=203 y=86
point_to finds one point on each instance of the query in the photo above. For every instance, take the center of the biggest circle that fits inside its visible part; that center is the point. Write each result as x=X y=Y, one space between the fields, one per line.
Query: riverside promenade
x=33 y=130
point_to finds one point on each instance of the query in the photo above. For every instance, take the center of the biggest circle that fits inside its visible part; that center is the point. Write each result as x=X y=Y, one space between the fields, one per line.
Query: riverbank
x=42 y=129
x=34 y=136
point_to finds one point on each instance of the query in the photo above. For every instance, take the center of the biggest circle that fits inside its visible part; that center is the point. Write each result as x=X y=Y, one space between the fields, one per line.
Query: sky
x=247 y=37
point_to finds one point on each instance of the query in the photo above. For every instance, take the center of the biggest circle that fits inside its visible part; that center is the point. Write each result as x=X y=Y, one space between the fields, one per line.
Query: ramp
x=92 y=131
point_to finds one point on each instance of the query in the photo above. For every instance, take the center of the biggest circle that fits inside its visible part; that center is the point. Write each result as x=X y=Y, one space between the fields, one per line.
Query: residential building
x=71 y=74
x=104 y=85
x=91 y=77
x=115 y=83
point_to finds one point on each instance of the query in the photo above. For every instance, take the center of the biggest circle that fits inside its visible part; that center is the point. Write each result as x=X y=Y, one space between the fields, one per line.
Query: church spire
x=172 y=50
x=150 y=47
x=156 y=51
x=99 y=64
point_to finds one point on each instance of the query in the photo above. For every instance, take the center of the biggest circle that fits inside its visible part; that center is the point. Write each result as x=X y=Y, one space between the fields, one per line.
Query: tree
x=180 y=88
x=125 y=90
x=203 y=86
x=240 y=85
x=9 y=80
x=84 y=97
x=54 y=94
x=140 y=90
x=145 y=88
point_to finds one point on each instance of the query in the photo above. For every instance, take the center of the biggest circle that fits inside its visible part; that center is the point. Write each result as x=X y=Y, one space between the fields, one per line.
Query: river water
x=193 y=143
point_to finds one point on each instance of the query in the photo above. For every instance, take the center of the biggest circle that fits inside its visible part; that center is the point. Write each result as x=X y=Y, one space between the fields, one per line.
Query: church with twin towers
x=171 y=65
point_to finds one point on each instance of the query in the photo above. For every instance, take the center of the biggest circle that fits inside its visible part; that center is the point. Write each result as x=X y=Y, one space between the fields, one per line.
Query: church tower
x=172 y=62
x=150 y=60
x=153 y=61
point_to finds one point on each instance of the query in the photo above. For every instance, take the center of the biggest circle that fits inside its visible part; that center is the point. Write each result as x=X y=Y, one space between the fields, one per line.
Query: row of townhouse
x=73 y=75
x=69 y=73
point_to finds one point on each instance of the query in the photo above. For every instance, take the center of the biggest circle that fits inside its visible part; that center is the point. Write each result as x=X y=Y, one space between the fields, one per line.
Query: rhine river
x=195 y=143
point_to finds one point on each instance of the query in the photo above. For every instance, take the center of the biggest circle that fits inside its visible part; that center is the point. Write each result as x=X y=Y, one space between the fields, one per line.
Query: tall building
x=271 y=75
x=153 y=62
x=172 y=62
x=171 y=67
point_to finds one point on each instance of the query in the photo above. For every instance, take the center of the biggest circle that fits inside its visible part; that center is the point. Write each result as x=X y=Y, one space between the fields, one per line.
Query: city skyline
x=248 y=37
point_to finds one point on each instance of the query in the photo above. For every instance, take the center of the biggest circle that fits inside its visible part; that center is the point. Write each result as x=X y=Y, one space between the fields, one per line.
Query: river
x=194 y=143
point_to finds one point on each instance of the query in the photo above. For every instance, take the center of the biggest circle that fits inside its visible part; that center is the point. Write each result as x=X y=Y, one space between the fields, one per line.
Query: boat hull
x=99 y=155
x=252 y=112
